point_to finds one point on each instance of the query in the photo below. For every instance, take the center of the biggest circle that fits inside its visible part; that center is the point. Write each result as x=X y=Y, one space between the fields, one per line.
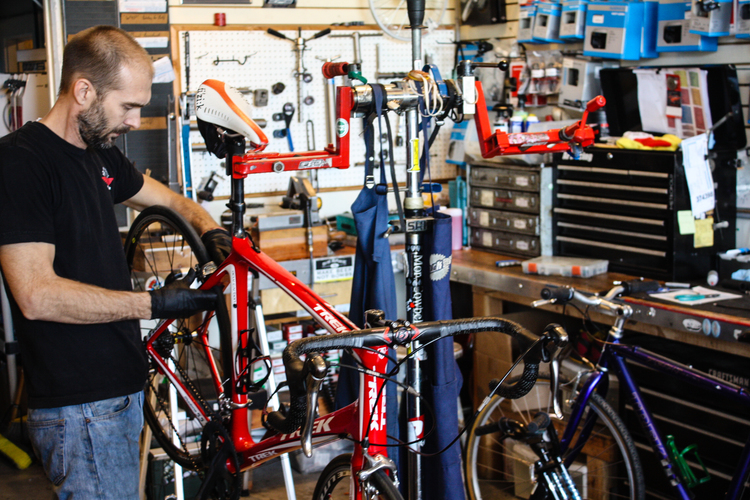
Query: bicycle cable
x=430 y=409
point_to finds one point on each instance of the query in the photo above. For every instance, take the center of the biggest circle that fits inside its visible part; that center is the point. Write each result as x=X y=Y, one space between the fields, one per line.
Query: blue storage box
x=673 y=29
x=547 y=22
x=526 y=23
x=711 y=23
x=742 y=22
x=649 y=29
x=613 y=30
x=573 y=20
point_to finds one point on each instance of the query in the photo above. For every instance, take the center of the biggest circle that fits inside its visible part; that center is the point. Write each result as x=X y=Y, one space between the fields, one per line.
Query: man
x=63 y=261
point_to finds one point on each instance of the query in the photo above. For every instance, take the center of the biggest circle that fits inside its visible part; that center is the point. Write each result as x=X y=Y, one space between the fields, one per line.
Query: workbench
x=722 y=321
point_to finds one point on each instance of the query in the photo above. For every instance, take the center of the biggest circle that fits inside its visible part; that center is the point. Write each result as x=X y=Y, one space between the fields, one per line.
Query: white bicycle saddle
x=224 y=106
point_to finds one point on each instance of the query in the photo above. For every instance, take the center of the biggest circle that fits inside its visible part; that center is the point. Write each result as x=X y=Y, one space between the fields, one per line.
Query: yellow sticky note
x=686 y=222
x=704 y=233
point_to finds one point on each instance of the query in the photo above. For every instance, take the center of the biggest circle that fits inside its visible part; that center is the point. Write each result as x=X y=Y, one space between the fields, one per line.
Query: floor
x=268 y=482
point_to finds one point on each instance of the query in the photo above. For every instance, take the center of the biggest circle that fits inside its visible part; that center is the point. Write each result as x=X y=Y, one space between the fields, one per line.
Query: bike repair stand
x=236 y=147
x=417 y=224
x=301 y=73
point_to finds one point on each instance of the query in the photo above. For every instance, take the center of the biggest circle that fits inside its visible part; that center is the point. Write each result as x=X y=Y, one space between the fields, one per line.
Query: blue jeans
x=90 y=451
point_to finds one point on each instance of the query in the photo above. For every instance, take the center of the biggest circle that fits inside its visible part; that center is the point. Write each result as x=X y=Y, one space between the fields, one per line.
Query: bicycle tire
x=161 y=242
x=330 y=486
x=493 y=466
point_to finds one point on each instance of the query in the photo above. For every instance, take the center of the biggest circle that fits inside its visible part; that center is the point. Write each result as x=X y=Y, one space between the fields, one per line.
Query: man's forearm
x=196 y=215
x=67 y=301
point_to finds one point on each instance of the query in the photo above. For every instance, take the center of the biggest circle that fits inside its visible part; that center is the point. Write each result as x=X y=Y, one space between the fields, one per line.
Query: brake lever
x=317 y=372
x=559 y=337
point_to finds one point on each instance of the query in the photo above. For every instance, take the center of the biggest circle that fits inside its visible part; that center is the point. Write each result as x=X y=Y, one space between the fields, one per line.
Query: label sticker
x=414 y=156
x=342 y=127
x=487 y=198
x=487 y=239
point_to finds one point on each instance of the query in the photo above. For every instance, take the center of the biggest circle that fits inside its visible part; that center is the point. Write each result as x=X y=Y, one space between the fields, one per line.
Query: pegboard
x=269 y=60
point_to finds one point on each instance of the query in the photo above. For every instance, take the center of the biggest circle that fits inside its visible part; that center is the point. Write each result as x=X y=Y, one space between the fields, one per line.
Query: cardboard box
x=580 y=83
x=291 y=244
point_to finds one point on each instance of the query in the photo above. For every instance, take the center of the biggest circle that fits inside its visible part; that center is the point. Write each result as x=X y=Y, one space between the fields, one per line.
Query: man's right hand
x=178 y=300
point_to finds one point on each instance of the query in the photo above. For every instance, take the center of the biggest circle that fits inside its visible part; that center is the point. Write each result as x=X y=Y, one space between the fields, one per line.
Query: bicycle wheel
x=335 y=482
x=607 y=468
x=393 y=18
x=161 y=245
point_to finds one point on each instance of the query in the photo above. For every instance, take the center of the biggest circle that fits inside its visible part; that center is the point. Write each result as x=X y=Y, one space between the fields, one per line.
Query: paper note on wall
x=163 y=70
x=704 y=233
x=652 y=102
x=143 y=5
x=686 y=222
x=698 y=174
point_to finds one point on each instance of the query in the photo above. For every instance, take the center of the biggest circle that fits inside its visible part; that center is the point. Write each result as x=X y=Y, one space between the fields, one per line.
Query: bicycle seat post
x=235 y=144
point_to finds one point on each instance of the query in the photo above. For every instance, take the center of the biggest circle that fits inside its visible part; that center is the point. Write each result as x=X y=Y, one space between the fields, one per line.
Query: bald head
x=99 y=54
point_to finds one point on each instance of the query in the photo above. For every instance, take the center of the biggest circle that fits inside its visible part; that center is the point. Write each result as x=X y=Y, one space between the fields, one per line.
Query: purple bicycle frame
x=613 y=357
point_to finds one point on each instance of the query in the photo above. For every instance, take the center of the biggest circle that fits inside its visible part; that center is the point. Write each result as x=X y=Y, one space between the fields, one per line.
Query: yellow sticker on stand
x=414 y=156
x=704 y=233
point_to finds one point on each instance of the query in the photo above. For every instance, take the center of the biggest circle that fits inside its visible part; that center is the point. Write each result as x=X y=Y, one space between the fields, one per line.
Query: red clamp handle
x=331 y=69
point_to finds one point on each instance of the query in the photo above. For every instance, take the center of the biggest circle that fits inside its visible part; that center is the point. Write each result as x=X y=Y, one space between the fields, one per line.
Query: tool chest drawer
x=504 y=242
x=520 y=201
x=504 y=221
x=622 y=206
x=504 y=177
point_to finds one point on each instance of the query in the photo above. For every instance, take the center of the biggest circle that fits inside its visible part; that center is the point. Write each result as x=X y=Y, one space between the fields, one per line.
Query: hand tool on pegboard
x=288 y=113
x=355 y=67
x=301 y=73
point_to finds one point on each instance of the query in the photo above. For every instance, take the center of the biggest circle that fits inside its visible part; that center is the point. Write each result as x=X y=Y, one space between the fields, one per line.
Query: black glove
x=218 y=242
x=177 y=300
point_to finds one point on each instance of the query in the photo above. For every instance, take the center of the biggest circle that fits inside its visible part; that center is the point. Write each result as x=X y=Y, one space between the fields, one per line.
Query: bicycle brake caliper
x=374 y=464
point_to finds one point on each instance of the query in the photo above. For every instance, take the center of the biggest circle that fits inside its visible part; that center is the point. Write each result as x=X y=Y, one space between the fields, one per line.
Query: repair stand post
x=415 y=270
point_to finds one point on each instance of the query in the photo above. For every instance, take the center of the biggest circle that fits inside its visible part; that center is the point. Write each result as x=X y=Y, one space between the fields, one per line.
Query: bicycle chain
x=186 y=380
x=162 y=406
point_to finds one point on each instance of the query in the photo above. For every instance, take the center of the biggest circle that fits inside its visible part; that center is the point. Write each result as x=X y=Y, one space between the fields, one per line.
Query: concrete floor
x=268 y=483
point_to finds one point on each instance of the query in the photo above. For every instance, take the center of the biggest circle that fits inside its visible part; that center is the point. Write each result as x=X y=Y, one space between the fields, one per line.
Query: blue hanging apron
x=373 y=286
x=442 y=478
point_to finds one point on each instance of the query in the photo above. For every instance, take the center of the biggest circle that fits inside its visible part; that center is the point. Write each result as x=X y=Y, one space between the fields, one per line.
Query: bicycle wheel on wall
x=607 y=468
x=161 y=245
x=393 y=17
x=335 y=483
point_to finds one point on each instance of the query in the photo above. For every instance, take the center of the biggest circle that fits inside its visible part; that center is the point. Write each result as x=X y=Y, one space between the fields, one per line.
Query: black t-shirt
x=54 y=192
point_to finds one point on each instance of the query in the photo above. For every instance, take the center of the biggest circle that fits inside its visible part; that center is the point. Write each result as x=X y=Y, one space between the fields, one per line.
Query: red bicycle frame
x=365 y=418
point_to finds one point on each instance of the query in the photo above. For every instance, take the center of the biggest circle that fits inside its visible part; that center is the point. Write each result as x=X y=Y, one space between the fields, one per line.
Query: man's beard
x=94 y=129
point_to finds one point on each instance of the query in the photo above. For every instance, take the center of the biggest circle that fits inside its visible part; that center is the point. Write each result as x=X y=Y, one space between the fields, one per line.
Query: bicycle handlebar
x=564 y=294
x=402 y=334
x=636 y=286
x=569 y=133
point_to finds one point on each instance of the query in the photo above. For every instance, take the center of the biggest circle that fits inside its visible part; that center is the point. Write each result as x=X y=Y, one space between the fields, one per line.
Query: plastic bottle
x=530 y=120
